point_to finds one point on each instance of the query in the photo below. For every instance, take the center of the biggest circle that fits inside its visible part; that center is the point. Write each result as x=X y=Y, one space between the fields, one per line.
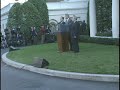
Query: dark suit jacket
x=69 y=25
x=61 y=27
x=75 y=30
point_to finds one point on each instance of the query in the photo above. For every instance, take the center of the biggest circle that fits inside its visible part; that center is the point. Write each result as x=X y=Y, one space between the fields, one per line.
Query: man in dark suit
x=75 y=35
x=69 y=23
x=83 y=26
x=33 y=35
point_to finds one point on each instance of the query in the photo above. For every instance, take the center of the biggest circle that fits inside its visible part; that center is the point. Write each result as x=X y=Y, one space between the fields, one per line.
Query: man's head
x=66 y=16
x=74 y=18
x=62 y=19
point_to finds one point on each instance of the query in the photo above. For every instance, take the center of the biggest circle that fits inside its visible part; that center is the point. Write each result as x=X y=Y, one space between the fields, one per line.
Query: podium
x=62 y=39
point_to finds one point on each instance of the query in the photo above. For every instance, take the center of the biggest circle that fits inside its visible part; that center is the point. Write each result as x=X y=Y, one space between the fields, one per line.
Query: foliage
x=107 y=34
x=104 y=15
x=15 y=16
x=42 y=9
x=30 y=13
x=30 y=18
x=106 y=41
x=88 y=22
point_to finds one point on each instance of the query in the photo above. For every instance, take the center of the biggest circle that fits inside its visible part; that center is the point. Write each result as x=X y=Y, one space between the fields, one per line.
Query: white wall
x=76 y=7
x=3 y=23
x=4 y=16
x=55 y=10
x=78 y=12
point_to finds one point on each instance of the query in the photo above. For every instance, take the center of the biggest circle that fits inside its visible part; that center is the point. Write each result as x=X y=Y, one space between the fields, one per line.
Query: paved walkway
x=16 y=79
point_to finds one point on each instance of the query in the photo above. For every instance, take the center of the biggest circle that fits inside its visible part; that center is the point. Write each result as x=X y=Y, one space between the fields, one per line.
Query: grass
x=92 y=58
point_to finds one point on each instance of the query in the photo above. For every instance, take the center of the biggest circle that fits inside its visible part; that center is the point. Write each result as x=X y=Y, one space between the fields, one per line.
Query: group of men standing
x=69 y=29
x=13 y=37
x=42 y=34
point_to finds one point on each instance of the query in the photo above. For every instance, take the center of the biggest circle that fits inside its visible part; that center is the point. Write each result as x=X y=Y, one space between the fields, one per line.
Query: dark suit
x=69 y=28
x=33 y=37
x=75 y=36
x=83 y=26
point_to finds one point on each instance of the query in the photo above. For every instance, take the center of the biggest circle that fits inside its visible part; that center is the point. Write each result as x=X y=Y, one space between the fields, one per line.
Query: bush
x=42 y=9
x=30 y=18
x=106 y=41
x=104 y=34
x=104 y=15
x=15 y=16
x=88 y=24
x=86 y=32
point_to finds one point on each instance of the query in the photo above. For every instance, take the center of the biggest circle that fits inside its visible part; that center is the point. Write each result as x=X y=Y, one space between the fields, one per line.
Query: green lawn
x=92 y=58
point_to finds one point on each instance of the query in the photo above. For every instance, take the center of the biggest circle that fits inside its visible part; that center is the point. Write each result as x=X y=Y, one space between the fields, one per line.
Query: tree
x=45 y=13
x=88 y=24
x=15 y=16
x=42 y=9
x=30 y=18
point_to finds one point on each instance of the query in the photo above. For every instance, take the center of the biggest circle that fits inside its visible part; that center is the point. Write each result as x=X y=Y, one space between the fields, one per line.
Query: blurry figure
x=49 y=37
x=42 y=34
x=20 y=40
x=48 y=30
x=61 y=26
x=33 y=35
x=83 y=26
x=68 y=24
x=75 y=35
x=4 y=43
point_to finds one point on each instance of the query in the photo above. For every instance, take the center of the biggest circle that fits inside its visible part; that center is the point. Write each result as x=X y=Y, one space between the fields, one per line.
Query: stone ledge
x=81 y=76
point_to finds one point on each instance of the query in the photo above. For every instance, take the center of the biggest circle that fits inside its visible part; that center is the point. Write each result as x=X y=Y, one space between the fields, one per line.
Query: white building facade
x=4 y=17
x=55 y=10
x=73 y=7
x=115 y=18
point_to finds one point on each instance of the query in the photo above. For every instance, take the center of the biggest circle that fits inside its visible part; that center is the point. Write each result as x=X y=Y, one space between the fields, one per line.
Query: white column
x=92 y=16
x=115 y=18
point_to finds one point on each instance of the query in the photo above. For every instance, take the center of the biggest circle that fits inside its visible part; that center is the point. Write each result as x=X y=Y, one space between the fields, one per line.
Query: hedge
x=15 y=16
x=42 y=9
x=30 y=18
x=107 y=34
x=104 y=15
x=88 y=22
x=106 y=41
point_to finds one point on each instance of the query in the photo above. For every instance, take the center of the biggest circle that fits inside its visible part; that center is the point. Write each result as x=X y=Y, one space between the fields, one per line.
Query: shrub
x=104 y=34
x=106 y=41
x=88 y=24
x=42 y=9
x=104 y=15
x=30 y=18
x=15 y=16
